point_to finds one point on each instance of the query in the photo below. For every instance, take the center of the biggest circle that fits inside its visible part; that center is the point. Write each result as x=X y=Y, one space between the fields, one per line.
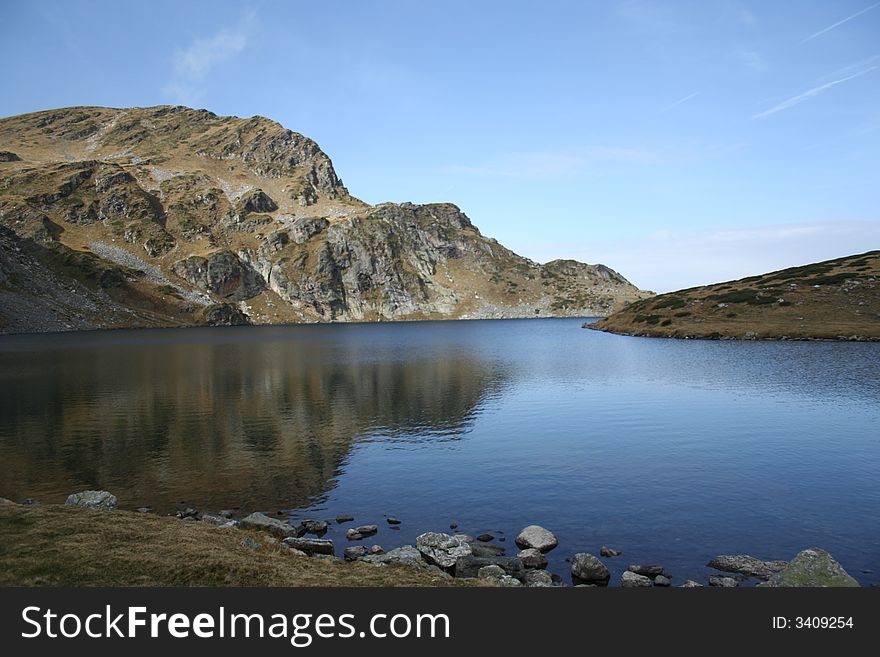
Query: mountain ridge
x=170 y=216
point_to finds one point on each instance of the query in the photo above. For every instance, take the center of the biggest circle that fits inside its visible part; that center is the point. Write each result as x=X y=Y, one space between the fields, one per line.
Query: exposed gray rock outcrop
x=93 y=499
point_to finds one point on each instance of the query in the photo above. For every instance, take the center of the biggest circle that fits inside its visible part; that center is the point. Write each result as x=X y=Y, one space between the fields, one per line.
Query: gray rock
x=344 y=518
x=406 y=555
x=662 y=580
x=303 y=229
x=318 y=527
x=485 y=538
x=647 y=571
x=747 y=565
x=224 y=314
x=536 y=537
x=509 y=582
x=292 y=551
x=482 y=550
x=587 y=569
x=492 y=571
x=250 y=543
x=391 y=520
x=353 y=534
x=812 y=567
x=442 y=549
x=690 y=584
x=453 y=525
x=631 y=580
x=469 y=566
x=723 y=582
x=9 y=156
x=376 y=549
x=262 y=522
x=367 y=530
x=188 y=512
x=310 y=546
x=538 y=578
x=354 y=552
x=3 y=500
x=144 y=509
x=93 y=499
x=214 y=519
x=532 y=558
x=609 y=552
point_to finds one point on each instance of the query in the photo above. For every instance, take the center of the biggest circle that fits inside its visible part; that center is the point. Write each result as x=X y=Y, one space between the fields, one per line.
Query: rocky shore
x=459 y=556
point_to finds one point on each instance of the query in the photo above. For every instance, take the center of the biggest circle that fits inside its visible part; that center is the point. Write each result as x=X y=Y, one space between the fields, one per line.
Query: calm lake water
x=671 y=451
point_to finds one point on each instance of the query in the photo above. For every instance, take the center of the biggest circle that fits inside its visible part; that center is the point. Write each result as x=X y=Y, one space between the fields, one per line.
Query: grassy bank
x=67 y=546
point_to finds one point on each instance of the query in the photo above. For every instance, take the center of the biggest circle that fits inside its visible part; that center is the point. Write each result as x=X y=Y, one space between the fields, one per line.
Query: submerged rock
x=536 y=537
x=482 y=550
x=485 y=538
x=344 y=518
x=93 y=499
x=442 y=549
x=631 y=580
x=366 y=530
x=318 y=527
x=391 y=520
x=587 y=569
x=262 y=522
x=747 y=565
x=812 y=567
x=609 y=552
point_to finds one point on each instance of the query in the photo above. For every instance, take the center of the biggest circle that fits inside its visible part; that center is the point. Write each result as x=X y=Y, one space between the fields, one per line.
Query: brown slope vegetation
x=223 y=219
x=836 y=299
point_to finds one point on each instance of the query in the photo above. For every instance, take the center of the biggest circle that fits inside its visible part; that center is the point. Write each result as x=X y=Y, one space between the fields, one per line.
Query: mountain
x=835 y=299
x=170 y=216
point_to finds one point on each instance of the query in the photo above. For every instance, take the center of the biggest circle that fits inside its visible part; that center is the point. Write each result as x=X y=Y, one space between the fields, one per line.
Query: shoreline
x=718 y=337
x=266 y=544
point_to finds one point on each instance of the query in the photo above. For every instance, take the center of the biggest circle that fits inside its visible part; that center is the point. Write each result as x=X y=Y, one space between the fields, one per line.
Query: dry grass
x=66 y=546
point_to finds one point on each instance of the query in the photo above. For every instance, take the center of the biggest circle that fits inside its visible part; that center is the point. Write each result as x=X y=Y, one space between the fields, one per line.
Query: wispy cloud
x=810 y=93
x=681 y=101
x=193 y=64
x=841 y=22
x=750 y=59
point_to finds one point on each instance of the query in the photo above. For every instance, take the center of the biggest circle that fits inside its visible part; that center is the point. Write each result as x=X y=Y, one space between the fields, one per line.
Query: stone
x=406 y=555
x=469 y=566
x=3 y=500
x=442 y=549
x=483 y=550
x=93 y=499
x=587 y=569
x=532 y=558
x=318 y=527
x=354 y=552
x=662 y=580
x=310 y=546
x=631 y=580
x=609 y=552
x=353 y=534
x=535 y=536
x=9 y=156
x=747 y=565
x=292 y=551
x=508 y=581
x=367 y=530
x=144 y=509
x=227 y=513
x=647 y=571
x=812 y=567
x=188 y=512
x=376 y=549
x=224 y=314
x=453 y=525
x=250 y=543
x=214 y=519
x=262 y=522
x=485 y=538
x=723 y=582
x=344 y=518
x=538 y=578
x=690 y=584
x=391 y=520
x=492 y=571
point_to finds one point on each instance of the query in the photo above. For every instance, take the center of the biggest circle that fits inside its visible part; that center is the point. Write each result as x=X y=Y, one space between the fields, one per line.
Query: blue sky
x=679 y=142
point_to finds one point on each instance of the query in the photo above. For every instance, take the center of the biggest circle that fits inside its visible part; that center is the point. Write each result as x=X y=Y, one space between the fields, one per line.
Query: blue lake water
x=671 y=451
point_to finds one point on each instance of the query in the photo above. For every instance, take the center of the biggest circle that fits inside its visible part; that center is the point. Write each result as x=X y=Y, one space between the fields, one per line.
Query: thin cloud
x=193 y=64
x=841 y=22
x=681 y=101
x=749 y=59
x=815 y=91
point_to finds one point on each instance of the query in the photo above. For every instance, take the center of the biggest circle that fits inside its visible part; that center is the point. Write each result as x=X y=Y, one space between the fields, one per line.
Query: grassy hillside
x=836 y=299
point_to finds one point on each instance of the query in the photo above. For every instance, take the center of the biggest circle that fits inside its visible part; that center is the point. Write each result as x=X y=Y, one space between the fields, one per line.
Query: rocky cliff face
x=173 y=216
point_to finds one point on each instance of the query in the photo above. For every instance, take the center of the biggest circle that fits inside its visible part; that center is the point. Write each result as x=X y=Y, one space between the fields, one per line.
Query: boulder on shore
x=469 y=566
x=310 y=546
x=747 y=565
x=262 y=522
x=442 y=549
x=536 y=537
x=631 y=580
x=587 y=569
x=532 y=558
x=812 y=567
x=93 y=499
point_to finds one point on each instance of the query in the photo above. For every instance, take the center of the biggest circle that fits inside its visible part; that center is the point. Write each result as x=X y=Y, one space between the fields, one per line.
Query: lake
x=672 y=451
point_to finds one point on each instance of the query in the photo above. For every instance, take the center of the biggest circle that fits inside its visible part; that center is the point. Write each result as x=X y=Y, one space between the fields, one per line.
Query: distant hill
x=836 y=299
x=170 y=216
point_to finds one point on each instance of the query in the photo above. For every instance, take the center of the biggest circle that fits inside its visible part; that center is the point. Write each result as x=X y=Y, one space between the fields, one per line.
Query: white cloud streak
x=841 y=22
x=810 y=93
x=193 y=64
x=681 y=101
